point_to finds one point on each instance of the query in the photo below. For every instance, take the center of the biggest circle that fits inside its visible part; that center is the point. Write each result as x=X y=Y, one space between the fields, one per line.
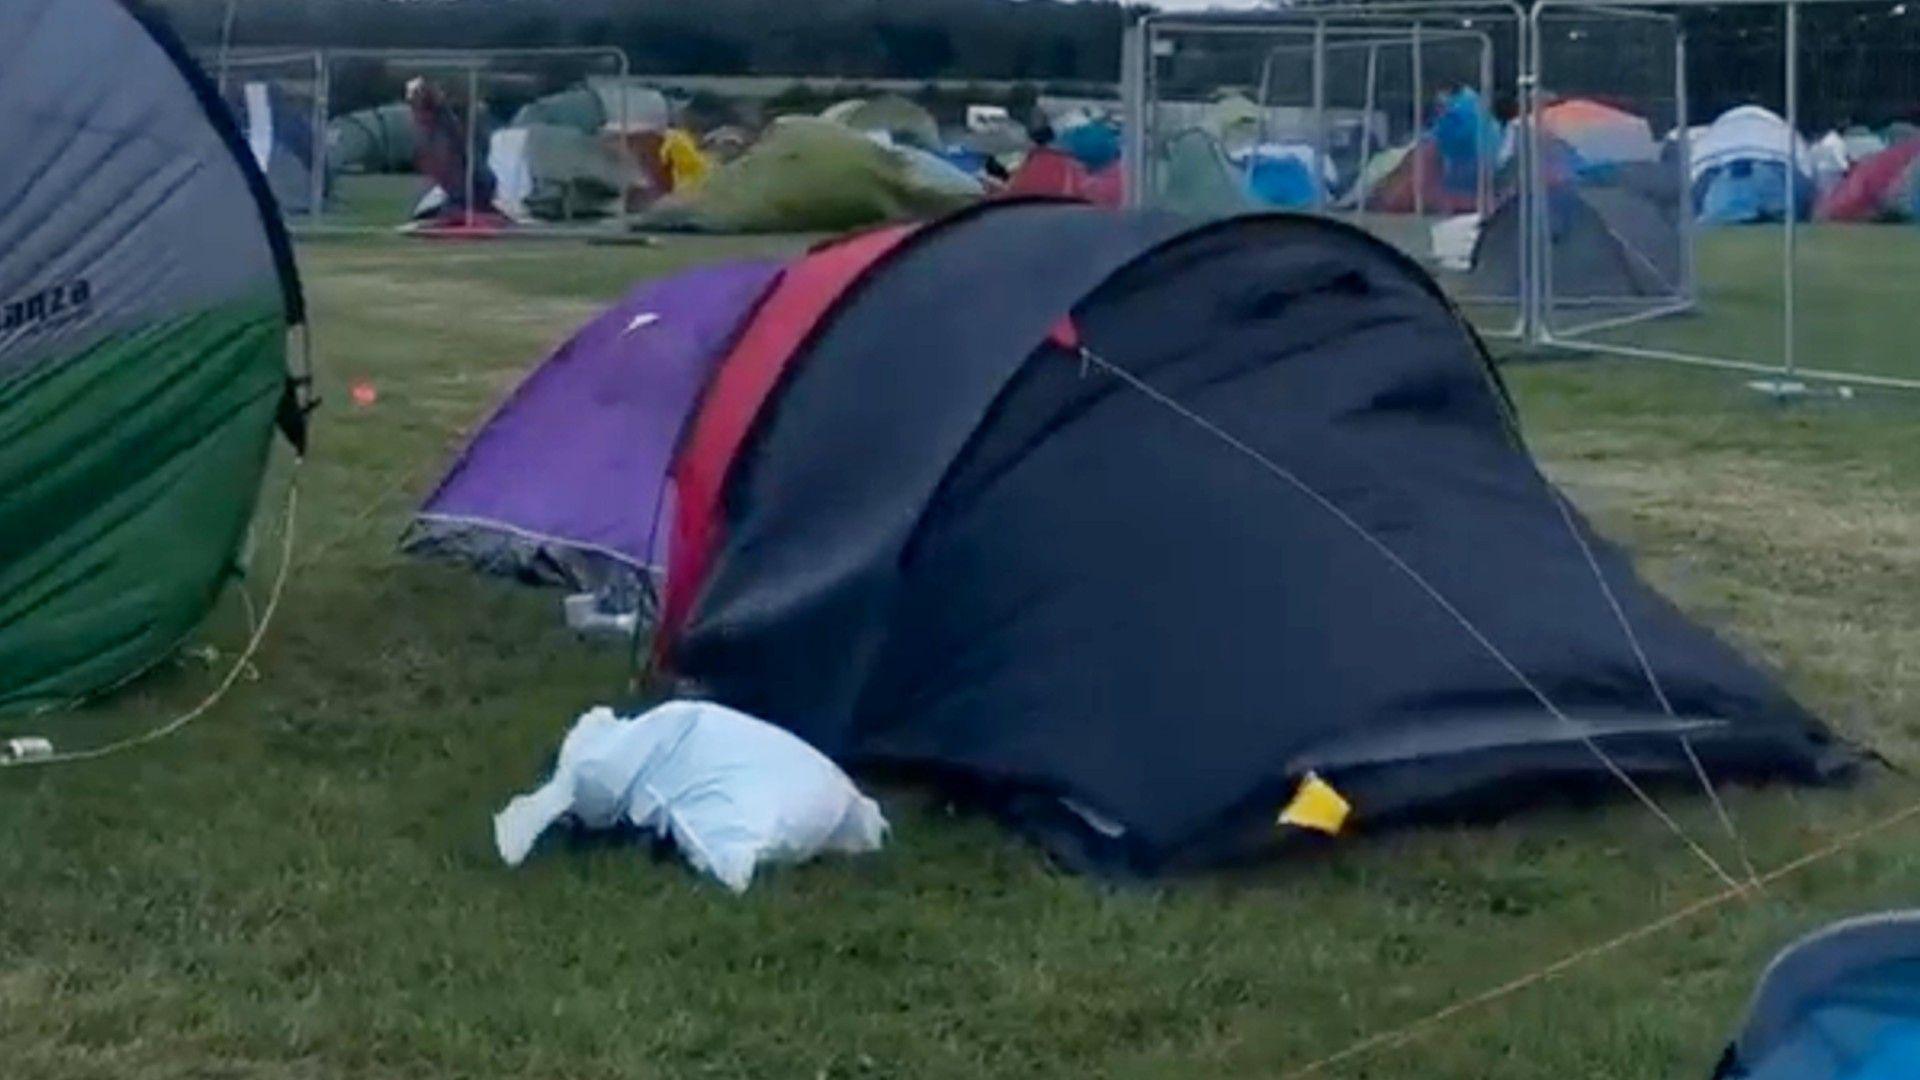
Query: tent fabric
x=1842 y=1003
x=550 y=173
x=1417 y=184
x=599 y=104
x=1872 y=191
x=373 y=140
x=146 y=289
x=740 y=390
x=279 y=130
x=1050 y=172
x=970 y=604
x=896 y=117
x=1094 y=144
x=1747 y=133
x=1746 y=192
x=1193 y=176
x=1606 y=241
x=566 y=484
x=1599 y=134
x=804 y=175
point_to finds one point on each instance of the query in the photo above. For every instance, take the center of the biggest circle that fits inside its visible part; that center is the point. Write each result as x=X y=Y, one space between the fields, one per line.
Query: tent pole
x=1484 y=154
x=1318 y=167
x=317 y=203
x=1793 y=181
x=1683 y=114
x=1366 y=132
x=473 y=135
x=1419 y=128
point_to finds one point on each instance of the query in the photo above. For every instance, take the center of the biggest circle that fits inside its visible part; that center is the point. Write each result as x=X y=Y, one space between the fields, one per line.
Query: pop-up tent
x=146 y=291
x=1136 y=531
x=1842 y=1003
x=1739 y=169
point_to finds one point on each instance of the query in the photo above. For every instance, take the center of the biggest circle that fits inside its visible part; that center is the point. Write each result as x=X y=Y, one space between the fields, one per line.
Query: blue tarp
x=1464 y=133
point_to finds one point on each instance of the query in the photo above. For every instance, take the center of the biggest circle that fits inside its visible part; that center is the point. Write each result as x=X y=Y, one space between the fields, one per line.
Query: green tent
x=1193 y=176
x=891 y=115
x=146 y=291
x=806 y=175
x=373 y=140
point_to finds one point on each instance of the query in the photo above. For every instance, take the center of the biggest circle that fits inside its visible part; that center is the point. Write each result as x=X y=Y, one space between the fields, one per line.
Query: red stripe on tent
x=741 y=387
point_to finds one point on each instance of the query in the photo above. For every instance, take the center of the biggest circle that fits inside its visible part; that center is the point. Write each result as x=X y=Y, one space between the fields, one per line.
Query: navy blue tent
x=1158 y=525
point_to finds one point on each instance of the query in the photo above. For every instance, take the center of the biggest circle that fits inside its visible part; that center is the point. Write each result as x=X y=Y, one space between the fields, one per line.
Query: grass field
x=303 y=884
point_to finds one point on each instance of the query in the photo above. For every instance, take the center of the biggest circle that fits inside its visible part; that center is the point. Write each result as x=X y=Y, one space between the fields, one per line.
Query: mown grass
x=303 y=884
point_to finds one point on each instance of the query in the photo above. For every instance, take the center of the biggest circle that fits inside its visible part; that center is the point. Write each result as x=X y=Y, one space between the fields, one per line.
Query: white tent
x=1747 y=133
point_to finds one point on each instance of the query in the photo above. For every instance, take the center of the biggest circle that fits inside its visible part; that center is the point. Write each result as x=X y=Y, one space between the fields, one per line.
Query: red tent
x=1394 y=194
x=1870 y=191
x=1048 y=171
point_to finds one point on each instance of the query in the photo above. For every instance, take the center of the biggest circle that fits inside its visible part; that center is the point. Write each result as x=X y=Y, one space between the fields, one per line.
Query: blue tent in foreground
x=1842 y=1003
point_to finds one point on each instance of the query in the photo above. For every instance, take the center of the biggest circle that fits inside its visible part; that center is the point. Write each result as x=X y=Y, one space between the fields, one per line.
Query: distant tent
x=1739 y=169
x=1287 y=177
x=577 y=109
x=1235 y=122
x=896 y=117
x=934 y=173
x=1842 y=1003
x=278 y=127
x=1829 y=161
x=1862 y=143
x=1881 y=188
x=1095 y=144
x=1599 y=135
x=1193 y=176
x=1612 y=241
x=376 y=140
x=599 y=104
x=554 y=173
x=804 y=175
x=147 y=288
x=1418 y=184
x=974 y=500
x=1049 y=171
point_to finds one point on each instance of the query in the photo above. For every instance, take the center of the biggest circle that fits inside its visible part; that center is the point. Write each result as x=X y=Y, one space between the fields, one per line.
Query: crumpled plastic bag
x=732 y=792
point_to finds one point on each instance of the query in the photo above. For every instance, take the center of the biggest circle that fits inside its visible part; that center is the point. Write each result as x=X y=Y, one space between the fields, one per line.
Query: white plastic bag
x=731 y=791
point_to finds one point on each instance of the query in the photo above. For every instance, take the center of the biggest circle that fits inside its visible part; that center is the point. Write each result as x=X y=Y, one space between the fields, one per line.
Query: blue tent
x=1842 y=1003
x=1095 y=143
x=1464 y=133
x=1748 y=191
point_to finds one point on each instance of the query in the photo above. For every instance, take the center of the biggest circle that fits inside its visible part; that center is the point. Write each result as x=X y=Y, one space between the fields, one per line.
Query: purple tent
x=566 y=483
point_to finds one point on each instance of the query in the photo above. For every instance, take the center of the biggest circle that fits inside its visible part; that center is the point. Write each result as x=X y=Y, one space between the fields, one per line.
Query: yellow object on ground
x=1317 y=806
x=685 y=162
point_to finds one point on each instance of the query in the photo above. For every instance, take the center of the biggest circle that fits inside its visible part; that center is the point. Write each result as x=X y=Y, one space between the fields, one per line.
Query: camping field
x=302 y=884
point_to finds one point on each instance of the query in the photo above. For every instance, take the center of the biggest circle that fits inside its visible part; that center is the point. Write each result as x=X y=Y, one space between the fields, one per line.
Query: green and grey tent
x=147 y=289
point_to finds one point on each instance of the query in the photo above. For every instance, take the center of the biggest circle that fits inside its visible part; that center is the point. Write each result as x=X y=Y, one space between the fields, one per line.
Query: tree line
x=1859 y=62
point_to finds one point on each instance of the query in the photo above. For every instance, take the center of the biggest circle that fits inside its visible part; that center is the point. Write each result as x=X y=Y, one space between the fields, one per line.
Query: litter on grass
x=731 y=792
